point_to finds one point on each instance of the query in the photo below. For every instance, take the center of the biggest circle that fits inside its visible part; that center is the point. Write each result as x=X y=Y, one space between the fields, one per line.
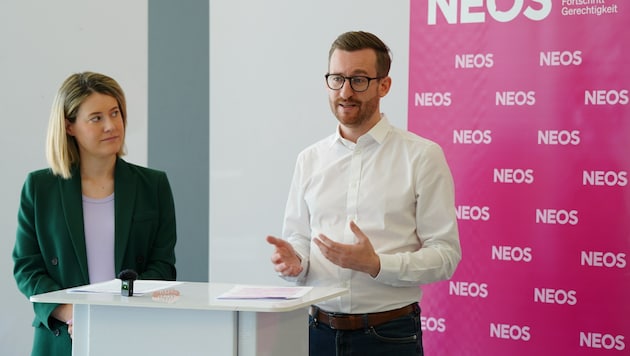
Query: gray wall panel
x=178 y=129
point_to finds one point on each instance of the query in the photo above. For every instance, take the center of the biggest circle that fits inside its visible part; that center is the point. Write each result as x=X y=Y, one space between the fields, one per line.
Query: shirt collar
x=377 y=133
x=380 y=130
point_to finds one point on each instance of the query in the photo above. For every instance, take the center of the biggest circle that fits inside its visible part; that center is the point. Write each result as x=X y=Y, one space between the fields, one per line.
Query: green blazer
x=50 y=253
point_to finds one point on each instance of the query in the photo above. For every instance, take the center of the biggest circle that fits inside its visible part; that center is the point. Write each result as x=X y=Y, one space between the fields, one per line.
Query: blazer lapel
x=124 y=201
x=72 y=205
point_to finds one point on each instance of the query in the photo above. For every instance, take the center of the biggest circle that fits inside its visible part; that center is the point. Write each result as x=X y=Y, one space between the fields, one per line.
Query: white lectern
x=196 y=323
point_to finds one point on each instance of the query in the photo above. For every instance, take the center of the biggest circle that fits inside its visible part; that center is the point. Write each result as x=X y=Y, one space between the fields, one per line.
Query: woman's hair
x=62 y=151
x=358 y=40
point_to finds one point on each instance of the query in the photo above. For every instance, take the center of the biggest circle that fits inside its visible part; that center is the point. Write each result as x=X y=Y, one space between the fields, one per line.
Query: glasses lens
x=335 y=82
x=359 y=83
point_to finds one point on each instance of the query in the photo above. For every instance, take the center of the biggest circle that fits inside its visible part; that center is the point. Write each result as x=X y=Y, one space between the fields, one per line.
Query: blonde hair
x=62 y=151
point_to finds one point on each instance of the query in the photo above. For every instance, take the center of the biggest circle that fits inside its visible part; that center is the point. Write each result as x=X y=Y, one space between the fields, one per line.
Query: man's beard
x=365 y=113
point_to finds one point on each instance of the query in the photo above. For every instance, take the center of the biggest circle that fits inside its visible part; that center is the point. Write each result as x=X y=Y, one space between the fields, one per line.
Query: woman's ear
x=69 y=128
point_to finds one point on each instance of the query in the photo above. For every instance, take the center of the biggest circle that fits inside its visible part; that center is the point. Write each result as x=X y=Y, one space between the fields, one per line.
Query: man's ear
x=384 y=85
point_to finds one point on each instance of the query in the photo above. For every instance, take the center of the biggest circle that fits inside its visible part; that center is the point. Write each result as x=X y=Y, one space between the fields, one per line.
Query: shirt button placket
x=352 y=199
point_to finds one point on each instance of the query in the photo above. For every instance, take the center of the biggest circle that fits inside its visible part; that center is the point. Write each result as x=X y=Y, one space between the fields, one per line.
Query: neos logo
x=559 y=137
x=602 y=341
x=475 y=213
x=605 y=178
x=474 y=60
x=432 y=324
x=475 y=11
x=556 y=217
x=509 y=175
x=474 y=137
x=432 y=99
x=510 y=332
x=512 y=253
x=603 y=259
x=515 y=98
x=606 y=97
x=555 y=296
x=558 y=58
x=468 y=289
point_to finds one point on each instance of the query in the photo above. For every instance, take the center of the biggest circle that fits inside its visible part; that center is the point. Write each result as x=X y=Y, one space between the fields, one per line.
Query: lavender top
x=98 y=222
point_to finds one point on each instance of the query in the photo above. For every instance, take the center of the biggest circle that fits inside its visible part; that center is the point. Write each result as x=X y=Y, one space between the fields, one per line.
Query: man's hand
x=359 y=256
x=285 y=260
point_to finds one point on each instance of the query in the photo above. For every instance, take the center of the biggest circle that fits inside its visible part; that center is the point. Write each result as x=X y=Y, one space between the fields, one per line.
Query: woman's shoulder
x=127 y=168
x=41 y=181
x=43 y=174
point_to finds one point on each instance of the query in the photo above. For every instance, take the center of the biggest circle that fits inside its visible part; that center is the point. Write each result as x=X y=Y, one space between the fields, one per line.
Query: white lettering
x=602 y=341
x=557 y=58
x=558 y=137
x=475 y=213
x=468 y=289
x=471 y=11
x=559 y=217
x=513 y=332
x=518 y=176
x=510 y=253
x=472 y=136
x=603 y=259
x=512 y=98
x=433 y=99
x=605 y=178
x=555 y=296
x=474 y=61
x=432 y=324
x=606 y=97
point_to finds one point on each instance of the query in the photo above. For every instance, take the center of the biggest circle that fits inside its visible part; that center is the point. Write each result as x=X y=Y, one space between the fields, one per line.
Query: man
x=371 y=208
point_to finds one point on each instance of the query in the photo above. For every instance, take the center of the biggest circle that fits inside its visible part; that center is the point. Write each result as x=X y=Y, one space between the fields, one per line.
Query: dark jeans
x=400 y=337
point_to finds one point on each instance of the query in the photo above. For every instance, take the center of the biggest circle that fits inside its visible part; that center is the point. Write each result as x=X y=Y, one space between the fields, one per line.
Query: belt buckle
x=332 y=321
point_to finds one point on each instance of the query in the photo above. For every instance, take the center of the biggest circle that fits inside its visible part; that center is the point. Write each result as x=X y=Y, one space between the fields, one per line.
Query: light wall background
x=267 y=101
x=41 y=43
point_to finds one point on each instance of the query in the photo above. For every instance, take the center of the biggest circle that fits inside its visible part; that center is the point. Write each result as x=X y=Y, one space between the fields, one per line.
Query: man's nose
x=346 y=90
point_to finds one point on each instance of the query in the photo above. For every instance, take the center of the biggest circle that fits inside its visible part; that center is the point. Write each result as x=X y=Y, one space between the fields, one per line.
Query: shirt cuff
x=389 y=268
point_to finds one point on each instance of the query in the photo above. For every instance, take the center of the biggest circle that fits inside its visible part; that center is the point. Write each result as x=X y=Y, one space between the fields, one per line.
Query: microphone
x=127 y=277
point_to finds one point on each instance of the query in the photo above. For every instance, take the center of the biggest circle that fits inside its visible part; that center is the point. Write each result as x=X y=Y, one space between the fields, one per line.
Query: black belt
x=340 y=321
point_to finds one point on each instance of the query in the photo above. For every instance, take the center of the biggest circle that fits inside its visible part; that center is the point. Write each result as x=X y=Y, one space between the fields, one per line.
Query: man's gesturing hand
x=285 y=260
x=359 y=256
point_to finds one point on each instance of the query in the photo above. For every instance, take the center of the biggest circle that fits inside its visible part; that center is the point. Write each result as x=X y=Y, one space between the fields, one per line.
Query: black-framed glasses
x=358 y=83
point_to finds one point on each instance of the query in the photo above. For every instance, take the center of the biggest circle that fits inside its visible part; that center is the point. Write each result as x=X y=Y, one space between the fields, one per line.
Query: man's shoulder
x=413 y=138
x=322 y=143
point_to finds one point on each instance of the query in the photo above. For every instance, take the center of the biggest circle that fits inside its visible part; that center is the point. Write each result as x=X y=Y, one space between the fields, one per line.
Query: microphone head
x=128 y=275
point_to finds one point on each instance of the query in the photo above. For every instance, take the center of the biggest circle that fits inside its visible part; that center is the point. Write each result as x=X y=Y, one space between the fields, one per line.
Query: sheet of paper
x=113 y=287
x=262 y=292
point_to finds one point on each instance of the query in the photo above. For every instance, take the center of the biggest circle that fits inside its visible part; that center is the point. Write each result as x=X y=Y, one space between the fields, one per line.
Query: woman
x=90 y=214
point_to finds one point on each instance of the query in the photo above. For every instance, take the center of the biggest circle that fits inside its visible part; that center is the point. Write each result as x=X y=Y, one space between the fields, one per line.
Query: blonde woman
x=90 y=214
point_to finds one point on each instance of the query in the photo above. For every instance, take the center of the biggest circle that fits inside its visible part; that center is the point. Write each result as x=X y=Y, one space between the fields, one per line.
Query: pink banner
x=530 y=101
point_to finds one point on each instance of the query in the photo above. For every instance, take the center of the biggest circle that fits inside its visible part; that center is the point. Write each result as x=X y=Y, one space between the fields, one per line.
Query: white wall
x=42 y=42
x=267 y=102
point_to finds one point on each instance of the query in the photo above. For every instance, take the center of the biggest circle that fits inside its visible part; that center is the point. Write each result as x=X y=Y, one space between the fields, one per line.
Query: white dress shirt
x=398 y=189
